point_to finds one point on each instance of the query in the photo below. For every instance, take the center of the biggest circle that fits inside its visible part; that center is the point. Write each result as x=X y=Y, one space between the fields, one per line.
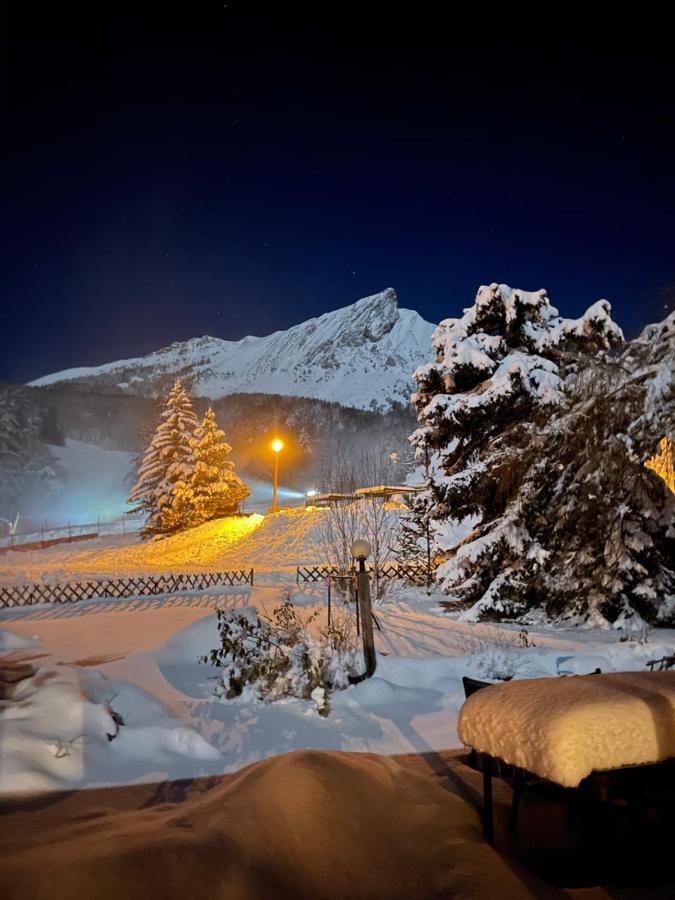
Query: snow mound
x=11 y=641
x=587 y=723
x=304 y=825
x=64 y=727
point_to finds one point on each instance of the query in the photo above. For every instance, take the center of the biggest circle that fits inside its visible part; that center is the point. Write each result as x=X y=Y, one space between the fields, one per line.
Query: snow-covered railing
x=45 y=535
x=140 y=586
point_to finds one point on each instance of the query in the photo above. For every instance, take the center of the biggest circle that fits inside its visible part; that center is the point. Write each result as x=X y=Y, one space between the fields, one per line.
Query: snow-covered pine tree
x=499 y=374
x=609 y=530
x=214 y=489
x=167 y=466
x=26 y=466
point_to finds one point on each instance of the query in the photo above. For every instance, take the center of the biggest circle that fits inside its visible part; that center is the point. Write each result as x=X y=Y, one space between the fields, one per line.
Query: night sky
x=235 y=169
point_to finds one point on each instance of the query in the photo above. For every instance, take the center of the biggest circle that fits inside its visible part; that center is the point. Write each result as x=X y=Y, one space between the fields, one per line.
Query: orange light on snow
x=277 y=445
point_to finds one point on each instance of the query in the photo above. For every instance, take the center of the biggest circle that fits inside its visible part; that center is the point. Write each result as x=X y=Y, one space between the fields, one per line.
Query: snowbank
x=564 y=729
x=304 y=825
x=62 y=728
x=11 y=641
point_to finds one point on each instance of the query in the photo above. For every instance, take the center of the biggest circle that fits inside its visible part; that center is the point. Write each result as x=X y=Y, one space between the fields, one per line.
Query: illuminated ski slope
x=273 y=543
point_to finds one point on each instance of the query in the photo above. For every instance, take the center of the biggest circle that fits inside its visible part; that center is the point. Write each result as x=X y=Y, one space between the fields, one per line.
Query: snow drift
x=304 y=825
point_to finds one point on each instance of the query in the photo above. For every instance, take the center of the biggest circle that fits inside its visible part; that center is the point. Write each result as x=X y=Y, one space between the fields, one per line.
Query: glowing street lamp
x=277 y=446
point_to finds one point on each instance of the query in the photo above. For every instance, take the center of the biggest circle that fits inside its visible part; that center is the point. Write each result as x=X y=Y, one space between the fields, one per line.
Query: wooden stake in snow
x=360 y=552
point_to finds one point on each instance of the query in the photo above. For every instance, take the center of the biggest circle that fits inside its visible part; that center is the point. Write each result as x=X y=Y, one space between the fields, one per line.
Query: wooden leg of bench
x=515 y=802
x=488 y=820
x=587 y=796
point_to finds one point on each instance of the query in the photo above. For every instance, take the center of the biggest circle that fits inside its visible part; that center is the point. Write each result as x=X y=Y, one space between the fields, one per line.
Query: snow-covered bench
x=565 y=729
x=665 y=662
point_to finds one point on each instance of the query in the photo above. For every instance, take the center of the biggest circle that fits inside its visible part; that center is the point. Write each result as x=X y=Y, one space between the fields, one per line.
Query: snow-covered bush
x=369 y=517
x=278 y=657
x=496 y=654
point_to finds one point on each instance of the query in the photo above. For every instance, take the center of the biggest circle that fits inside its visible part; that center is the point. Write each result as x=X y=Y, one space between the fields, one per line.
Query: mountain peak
x=361 y=355
x=376 y=315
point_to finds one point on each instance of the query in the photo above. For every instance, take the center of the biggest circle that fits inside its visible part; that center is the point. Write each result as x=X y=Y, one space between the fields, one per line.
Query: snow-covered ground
x=139 y=658
x=271 y=543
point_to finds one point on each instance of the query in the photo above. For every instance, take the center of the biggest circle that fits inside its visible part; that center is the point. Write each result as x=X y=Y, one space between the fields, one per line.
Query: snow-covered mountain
x=361 y=356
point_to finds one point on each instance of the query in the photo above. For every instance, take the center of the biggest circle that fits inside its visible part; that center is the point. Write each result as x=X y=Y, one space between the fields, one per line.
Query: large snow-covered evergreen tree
x=498 y=378
x=166 y=467
x=609 y=531
x=213 y=489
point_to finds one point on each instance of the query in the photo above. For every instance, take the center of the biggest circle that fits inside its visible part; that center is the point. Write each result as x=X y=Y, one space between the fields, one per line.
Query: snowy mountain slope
x=362 y=356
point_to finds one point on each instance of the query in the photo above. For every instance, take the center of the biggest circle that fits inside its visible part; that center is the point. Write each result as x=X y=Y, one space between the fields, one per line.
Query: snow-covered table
x=564 y=729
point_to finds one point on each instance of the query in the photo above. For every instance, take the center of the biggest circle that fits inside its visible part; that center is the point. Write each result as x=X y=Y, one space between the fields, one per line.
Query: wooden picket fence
x=404 y=571
x=140 y=586
x=315 y=573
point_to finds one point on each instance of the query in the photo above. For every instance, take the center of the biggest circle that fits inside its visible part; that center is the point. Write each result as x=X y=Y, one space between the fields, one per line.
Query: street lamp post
x=360 y=552
x=277 y=446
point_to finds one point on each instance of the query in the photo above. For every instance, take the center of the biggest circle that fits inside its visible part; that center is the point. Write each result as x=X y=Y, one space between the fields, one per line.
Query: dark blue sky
x=230 y=170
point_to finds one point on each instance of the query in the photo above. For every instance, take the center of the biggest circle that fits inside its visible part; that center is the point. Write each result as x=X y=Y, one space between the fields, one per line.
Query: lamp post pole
x=360 y=551
x=276 y=446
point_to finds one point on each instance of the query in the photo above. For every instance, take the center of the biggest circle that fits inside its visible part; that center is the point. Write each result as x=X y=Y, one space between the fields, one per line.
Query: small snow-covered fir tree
x=213 y=489
x=167 y=467
x=498 y=375
x=415 y=540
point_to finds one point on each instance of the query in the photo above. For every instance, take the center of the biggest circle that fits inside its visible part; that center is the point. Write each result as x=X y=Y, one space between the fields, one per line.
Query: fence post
x=70 y=537
x=124 y=530
x=251 y=576
x=98 y=525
